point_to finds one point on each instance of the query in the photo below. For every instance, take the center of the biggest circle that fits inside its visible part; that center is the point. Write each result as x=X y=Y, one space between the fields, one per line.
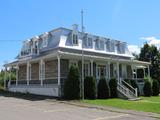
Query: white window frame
x=101 y=44
x=74 y=39
x=89 y=42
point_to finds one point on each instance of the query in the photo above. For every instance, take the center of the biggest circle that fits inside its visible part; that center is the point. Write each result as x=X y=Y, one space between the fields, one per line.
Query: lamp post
x=82 y=77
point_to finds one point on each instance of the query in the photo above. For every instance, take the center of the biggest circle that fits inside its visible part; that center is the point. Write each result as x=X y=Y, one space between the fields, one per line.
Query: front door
x=101 y=71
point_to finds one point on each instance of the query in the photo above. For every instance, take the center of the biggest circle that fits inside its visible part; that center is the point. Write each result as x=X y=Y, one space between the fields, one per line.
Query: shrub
x=89 y=88
x=72 y=84
x=113 y=87
x=155 y=88
x=103 y=89
x=147 y=89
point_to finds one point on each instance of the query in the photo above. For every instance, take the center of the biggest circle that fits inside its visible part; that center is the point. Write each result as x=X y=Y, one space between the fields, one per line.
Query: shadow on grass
x=26 y=96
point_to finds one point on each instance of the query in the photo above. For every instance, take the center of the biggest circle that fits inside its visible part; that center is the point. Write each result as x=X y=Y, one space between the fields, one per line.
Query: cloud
x=134 y=49
x=151 y=40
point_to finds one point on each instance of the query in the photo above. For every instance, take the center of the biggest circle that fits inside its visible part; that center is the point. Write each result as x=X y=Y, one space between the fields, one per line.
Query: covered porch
x=51 y=70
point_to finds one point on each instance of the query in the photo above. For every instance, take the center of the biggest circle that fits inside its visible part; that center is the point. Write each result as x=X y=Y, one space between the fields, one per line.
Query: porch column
x=91 y=67
x=41 y=71
x=144 y=72
x=27 y=76
x=118 y=71
x=17 y=74
x=59 y=75
x=109 y=74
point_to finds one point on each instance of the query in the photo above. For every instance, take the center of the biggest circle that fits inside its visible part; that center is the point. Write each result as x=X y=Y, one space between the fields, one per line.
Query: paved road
x=20 y=109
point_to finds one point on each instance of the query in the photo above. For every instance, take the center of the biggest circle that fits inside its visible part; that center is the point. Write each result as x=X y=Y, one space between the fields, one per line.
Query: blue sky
x=133 y=21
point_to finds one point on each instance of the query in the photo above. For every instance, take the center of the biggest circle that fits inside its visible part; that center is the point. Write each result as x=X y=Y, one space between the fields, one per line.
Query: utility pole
x=82 y=80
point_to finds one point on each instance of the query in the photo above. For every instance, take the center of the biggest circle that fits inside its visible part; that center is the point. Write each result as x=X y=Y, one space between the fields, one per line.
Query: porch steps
x=126 y=92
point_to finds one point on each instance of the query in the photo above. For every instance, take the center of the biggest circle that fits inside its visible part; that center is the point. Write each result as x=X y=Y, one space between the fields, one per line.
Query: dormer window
x=44 y=43
x=75 y=39
x=112 y=46
x=89 y=42
x=45 y=38
x=100 y=44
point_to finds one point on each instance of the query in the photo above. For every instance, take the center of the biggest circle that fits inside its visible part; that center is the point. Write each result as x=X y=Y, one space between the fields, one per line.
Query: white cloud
x=134 y=49
x=151 y=40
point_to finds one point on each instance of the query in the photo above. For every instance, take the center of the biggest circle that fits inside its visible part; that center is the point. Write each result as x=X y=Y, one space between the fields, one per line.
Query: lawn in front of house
x=146 y=104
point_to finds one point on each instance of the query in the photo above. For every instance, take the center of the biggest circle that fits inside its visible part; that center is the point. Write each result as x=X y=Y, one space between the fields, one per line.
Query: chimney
x=75 y=27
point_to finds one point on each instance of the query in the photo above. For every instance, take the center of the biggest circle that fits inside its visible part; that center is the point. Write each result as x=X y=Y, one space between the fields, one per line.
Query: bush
x=103 y=89
x=113 y=87
x=155 y=88
x=89 y=88
x=147 y=89
x=72 y=84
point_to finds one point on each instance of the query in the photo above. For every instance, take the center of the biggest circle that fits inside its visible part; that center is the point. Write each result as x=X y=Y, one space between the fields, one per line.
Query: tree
x=72 y=84
x=113 y=87
x=150 y=53
x=147 y=89
x=103 y=89
x=155 y=88
x=89 y=88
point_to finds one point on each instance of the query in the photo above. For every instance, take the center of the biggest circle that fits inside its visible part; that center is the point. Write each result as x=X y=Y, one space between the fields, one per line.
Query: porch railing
x=37 y=82
x=133 y=90
x=126 y=91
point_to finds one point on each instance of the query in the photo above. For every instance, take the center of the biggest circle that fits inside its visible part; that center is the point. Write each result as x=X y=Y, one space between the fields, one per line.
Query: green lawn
x=147 y=104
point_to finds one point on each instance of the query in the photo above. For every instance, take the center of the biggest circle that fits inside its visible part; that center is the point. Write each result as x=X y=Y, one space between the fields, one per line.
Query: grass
x=147 y=104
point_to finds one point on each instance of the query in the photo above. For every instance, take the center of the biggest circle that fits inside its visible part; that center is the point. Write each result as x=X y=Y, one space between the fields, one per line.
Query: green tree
x=89 y=88
x=147 y=89
x=113 y=87
x=150 y=53
x=155 y=88
x=72 y=84
x=103 y=89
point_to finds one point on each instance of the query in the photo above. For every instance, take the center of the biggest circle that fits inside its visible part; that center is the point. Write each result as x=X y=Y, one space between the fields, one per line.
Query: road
x=12 y=108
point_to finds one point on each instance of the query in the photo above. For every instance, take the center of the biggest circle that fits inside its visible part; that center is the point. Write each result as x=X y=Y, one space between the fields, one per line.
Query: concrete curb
x=111 y=109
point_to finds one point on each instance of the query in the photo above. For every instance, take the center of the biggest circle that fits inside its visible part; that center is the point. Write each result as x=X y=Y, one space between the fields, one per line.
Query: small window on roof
x=44 y=43
x=89 y=42
x=75 y=39
x=101 y=44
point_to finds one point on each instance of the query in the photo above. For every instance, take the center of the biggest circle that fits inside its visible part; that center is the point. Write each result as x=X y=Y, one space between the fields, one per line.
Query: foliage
x=113 y=87
x=9 y=75
x=89 y=88
x=103 y=89
x=147 y=89
x=72 y=84
x=150 y=53
x=152 y=104
x=155 y=88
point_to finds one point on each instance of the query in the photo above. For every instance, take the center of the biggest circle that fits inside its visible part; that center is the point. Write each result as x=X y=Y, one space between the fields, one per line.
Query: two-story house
x=43 y=62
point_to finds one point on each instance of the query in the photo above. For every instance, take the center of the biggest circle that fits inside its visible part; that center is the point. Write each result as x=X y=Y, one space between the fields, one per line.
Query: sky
x=132 y=21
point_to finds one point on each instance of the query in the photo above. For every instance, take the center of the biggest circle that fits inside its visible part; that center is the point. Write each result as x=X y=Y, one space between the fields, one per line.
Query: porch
x=51 y=71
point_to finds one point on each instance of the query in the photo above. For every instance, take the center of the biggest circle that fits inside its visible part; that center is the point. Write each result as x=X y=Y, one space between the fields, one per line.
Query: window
x=112 y=46
x=89 y=42
x=75 y=39
x=86 y=69
x=101 y=44
x=108 y=46
x=44 y=42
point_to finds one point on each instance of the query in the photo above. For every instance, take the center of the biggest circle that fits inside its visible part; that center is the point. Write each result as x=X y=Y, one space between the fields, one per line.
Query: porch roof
x=78 y=55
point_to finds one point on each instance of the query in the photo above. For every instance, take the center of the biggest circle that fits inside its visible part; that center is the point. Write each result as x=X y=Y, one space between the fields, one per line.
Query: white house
x=43 y=62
